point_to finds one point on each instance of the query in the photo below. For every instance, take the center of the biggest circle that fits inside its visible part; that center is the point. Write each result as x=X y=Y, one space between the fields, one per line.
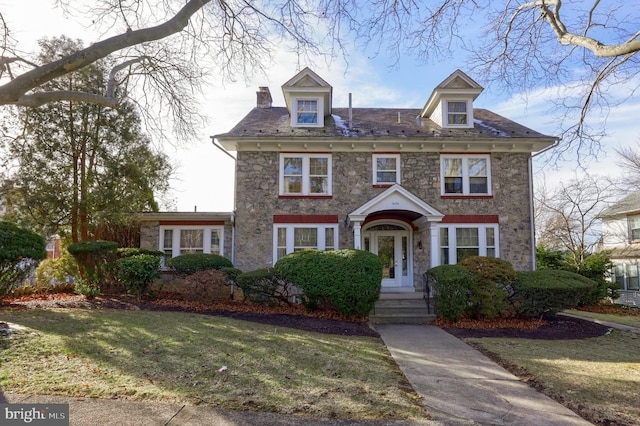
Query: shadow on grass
x=176 y=357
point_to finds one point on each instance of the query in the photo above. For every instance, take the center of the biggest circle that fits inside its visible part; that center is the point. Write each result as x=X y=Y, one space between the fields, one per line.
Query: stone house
x=419 y=187
x=621 y=235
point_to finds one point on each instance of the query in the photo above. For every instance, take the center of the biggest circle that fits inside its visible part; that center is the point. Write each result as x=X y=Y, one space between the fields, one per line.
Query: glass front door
x=392 y=249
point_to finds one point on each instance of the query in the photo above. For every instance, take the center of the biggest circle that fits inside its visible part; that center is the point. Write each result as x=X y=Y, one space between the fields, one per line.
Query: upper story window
x=457 y=113
x=308 y=112
x=305 y=174
x=466 y=174
x=386 y=169
x=634 y=228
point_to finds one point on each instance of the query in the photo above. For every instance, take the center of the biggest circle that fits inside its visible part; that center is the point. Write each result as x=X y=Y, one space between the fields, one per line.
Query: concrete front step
x=408 y=308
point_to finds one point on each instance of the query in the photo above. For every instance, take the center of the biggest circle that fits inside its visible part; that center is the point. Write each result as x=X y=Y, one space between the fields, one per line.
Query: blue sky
x=204 y=178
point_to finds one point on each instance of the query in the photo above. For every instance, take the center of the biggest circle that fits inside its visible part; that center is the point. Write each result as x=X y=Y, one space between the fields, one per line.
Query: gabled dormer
x=308 y=98
x=451 y=102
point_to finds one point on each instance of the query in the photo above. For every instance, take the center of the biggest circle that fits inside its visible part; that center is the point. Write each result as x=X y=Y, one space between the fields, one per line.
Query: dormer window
x=307 y=112
x=457 y=113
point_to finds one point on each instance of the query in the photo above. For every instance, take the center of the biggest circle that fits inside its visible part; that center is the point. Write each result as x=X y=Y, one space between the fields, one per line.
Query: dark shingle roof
x=376 y=122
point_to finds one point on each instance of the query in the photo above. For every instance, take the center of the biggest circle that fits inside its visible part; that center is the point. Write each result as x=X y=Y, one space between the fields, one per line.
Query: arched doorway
x=392 y=242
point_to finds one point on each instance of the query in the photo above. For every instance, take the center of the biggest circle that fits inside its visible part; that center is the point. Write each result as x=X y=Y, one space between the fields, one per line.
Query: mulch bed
x=322 y=321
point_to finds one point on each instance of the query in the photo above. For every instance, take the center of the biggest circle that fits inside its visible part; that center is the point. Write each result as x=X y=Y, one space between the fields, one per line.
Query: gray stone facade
x=257 y=201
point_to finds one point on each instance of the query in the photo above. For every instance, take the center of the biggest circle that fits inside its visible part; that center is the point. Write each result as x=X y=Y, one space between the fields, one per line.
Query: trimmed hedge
x=193 y=262
x=134 y=251
x=451 y=285
x=549 y=291
x=490 y=286
x=347 y=280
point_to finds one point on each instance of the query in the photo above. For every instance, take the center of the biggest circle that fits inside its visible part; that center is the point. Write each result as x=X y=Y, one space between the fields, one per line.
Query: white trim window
x=633 y=223
x=183 y=239
x=458 y=113
x=307 y=112
x=288 y=238
x=386 y=169
x=459 y=241
x=305 y=174
x=465 y=174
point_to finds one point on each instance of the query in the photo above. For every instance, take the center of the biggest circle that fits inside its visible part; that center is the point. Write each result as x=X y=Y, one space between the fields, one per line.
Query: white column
x=356 y=236
x=435 y=244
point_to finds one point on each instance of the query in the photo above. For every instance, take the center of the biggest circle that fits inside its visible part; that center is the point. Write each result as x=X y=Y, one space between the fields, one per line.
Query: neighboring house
x=621 y=235
x=418 y=187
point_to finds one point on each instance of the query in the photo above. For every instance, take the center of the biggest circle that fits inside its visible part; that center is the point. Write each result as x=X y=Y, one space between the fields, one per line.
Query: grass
x=170 y=356
x=630 y=320
x=599 y=378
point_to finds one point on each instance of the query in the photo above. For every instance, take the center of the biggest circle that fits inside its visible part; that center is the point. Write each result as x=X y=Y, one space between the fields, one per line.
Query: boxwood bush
x=550 y=291
x=134 y=251
x=193 y=262
x=490 y=286
x=451 y=285
x=347 y=280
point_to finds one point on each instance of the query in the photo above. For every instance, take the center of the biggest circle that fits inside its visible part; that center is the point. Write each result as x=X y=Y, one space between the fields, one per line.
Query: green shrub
x=491 y=280
x=597 y=267
x=265 y=286
x=134 y=251
x=451 y=285
x=20 y=249
x=137 y=273
x=231 y=274
x=55 y=271
x=86 y=289
x=347 y=280
x=193 y=262
x=549 y=291
x=96 y=261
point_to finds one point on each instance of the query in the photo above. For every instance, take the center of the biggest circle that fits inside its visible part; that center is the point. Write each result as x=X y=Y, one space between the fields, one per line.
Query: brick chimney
x=264 y=97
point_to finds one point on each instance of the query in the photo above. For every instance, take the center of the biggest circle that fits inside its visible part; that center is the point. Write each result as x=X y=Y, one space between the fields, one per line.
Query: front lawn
x=171 y=356
x=599 y=378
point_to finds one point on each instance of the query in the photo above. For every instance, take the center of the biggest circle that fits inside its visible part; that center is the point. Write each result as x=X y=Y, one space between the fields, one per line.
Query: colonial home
x=621 y=235
x=418 y=187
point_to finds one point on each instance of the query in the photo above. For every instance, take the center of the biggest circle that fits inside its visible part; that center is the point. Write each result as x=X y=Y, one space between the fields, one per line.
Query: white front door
x=392 y=247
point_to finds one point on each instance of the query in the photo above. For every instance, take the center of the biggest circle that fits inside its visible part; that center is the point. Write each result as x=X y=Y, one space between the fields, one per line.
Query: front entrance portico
x=387 y=225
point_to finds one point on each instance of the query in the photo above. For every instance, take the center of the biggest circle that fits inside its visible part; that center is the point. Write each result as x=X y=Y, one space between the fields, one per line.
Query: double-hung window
x=457 y=242
x=177 y=240
x=386 y=169
x=306 y=111
x=634 y=228
x=466 y=174
x=305 y=174
x=457 y=114
x=289 y=238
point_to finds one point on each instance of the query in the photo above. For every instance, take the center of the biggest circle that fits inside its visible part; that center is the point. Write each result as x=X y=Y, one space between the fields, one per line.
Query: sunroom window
x=177 y=240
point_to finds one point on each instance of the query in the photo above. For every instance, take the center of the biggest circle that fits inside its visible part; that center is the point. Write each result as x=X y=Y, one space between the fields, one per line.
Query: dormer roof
x=308 y=83
x=457 y=84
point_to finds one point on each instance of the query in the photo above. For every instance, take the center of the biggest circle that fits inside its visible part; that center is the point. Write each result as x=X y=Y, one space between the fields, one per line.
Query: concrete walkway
x=459 y=385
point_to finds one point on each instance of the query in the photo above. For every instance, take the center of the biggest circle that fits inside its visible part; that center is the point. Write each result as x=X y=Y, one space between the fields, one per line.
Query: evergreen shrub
x=347 y=280
x=96 y=262
x=491 y=286
x=190 y=263
x=451 y=284
x=137 y=272
x=549 y=291
x=20 y=250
